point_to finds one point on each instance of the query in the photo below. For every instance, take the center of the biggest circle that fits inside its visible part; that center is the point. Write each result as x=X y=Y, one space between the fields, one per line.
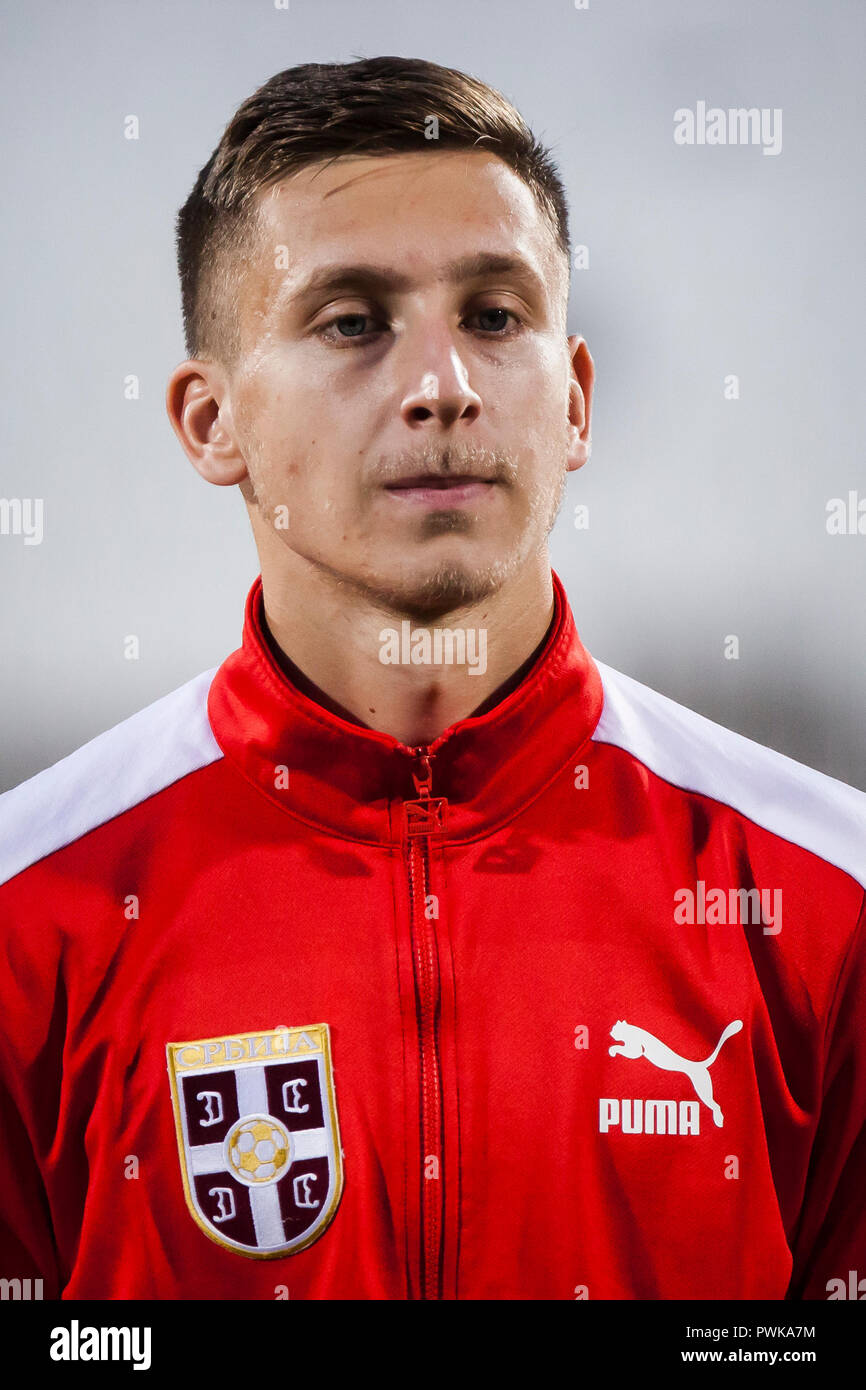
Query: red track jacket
x=569 y=1004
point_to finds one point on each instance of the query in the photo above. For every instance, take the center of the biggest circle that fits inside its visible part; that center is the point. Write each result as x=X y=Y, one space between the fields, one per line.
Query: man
x=413 y=953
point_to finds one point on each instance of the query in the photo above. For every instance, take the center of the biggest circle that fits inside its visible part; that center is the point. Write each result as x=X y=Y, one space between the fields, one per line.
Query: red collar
x=352 y=781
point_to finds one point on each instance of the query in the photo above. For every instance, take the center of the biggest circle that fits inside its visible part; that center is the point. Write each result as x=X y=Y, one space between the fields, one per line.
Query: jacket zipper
x=424 y=816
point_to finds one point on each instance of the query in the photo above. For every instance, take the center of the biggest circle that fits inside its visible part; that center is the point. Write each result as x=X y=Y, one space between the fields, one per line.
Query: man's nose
x=440 y=393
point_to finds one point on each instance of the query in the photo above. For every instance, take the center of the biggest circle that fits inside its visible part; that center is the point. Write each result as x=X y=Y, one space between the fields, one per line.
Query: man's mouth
x=449 y=489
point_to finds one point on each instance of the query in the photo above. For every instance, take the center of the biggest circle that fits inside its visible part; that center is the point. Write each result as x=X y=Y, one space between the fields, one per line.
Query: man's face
x=401 y=399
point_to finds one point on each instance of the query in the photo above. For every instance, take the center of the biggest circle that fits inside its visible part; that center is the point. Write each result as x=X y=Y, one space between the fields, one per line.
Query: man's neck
x=328 y=639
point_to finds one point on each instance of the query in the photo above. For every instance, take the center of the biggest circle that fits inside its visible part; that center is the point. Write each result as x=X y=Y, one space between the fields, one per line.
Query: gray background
x=707 y=516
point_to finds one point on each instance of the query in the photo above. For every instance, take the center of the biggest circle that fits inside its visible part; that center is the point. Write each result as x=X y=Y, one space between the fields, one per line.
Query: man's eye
x=501 y=316
x=346 y=327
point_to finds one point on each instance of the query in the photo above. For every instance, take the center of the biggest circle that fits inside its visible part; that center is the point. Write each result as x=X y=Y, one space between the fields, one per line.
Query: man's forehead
x=350 y=179
x=453 y=205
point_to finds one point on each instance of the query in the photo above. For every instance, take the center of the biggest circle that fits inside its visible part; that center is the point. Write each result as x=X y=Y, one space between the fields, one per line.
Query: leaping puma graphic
x=637 y=1042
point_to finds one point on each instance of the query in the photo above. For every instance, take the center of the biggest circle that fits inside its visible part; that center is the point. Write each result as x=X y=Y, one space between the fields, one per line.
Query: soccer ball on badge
x=257 y=1149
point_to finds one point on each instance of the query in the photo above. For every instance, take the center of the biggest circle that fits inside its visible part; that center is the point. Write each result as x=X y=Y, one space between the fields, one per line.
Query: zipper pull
x=425 y=813
x=422 y=773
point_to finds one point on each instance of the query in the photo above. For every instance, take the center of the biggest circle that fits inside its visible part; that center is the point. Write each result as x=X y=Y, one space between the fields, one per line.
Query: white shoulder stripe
x=812 y=810
x=110 y=774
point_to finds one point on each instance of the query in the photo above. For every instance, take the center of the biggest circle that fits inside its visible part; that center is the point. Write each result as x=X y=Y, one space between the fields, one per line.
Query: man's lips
x=440 y=489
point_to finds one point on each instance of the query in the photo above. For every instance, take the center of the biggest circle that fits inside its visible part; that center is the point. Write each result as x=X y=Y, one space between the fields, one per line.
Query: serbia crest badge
x=258 y=1137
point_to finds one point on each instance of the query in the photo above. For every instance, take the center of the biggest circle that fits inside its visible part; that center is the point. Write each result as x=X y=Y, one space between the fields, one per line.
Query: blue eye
x=332 y=331
x=504 y=312
x=356 y=319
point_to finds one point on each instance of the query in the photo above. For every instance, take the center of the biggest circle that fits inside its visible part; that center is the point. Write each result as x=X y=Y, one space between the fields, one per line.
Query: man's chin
x=431 y=593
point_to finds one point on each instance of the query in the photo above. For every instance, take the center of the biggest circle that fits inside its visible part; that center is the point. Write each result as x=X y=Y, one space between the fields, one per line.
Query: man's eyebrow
x=375 y=277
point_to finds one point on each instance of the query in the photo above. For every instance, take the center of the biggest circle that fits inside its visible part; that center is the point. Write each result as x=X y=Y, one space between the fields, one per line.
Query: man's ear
x=198 y=407
x=579 y=403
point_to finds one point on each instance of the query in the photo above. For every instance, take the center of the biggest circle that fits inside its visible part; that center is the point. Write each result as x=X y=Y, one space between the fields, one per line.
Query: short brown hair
x=322 y=111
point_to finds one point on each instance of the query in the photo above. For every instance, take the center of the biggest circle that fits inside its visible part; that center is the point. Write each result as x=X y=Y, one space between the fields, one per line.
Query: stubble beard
x=451 y=586
x=429 y=593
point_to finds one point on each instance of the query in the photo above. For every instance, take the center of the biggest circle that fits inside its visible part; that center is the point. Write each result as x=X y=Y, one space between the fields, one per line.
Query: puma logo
x=637 y=1042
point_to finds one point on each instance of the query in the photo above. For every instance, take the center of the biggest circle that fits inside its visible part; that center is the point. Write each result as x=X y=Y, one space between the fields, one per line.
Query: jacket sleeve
x=27 y=1110
x=830 y=1241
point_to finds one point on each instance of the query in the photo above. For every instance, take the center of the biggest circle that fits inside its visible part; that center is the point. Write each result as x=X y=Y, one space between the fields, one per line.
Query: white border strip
x=810 y=809
x=107 y=776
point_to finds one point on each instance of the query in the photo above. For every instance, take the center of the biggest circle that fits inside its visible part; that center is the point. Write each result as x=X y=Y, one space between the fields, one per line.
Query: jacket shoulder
x=160 y=744
x=787 y=798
